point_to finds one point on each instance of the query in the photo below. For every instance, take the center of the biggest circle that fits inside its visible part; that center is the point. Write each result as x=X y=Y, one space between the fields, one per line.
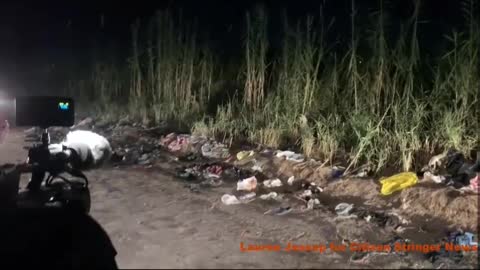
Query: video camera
x=54 y=221
x=43 y=158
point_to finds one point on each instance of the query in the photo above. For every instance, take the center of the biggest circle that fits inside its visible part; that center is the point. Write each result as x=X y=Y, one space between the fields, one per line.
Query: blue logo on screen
x=63 y=106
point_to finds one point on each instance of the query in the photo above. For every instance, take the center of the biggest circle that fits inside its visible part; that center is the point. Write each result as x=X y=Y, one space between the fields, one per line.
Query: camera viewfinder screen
x=44 y=111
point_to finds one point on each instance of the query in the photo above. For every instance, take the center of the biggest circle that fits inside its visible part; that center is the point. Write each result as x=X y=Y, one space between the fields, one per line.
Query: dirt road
x=155 y=222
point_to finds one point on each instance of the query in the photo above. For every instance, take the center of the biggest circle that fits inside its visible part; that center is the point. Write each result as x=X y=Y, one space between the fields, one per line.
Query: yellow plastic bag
x=245 y=154
x=398 y=182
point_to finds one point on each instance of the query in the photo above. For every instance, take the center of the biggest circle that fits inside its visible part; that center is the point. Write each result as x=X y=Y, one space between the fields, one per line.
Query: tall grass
x=380 y=107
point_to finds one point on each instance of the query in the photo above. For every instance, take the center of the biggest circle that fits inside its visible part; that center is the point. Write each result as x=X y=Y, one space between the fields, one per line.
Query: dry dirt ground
x=154 y=221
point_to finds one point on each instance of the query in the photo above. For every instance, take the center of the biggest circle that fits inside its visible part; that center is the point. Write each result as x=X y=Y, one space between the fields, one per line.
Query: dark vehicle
x=49 y=225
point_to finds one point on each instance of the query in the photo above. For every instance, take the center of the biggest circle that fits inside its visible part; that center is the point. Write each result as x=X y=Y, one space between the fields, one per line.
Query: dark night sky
x=33 y=36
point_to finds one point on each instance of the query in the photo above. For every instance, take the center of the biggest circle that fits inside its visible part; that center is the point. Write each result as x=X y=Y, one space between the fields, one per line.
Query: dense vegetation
x=379 y=101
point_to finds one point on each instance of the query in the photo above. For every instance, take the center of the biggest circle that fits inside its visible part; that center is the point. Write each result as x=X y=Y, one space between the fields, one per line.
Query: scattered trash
x=379 y=218
x=188 y=158
x=211 y=182
x=291 y=180
x=189 y=173
x=196 y=142
x=465 y=239
x=362 y=174
x=267 y=151
x=306 y=194
x=180 y=144
x=399 y=229
x=257 y=168
x=439 y=179
x=165 y=141
x=272 y=183
x=248 y=184
x=474 y=184
x=269 y=196
x=234 y=172
x=248 y=197
x=444 y=254
x=215 y=150
x=398 y=182
x=343 y=209
x=290 y=155
x=312 y=203
x=245 y=154
x=360 y=257
x=436 y=164
x=279 y=211
x=451 y=166
x=144 y=159
x=337 y=172
x=228 y=199
x=213 y=171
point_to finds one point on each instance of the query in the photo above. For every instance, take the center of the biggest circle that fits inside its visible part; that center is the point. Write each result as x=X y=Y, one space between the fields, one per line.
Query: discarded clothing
x=398 y=182
x=272 y=183
x=290 y=155
x=248 y=184
x=215 y=150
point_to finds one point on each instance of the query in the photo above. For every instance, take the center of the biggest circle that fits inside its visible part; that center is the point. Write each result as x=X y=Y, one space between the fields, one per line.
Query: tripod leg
x=36 y=181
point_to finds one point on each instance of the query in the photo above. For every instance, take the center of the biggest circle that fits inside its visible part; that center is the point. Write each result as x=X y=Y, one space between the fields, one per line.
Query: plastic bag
x=272 y=183
x=245 y=154
x=248 y=184
x=398 y=182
